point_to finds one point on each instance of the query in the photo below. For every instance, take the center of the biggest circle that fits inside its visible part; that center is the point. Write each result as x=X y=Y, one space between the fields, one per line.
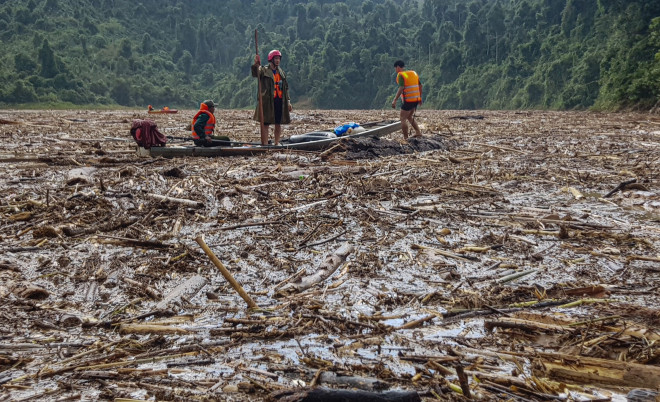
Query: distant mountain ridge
x=479 y=54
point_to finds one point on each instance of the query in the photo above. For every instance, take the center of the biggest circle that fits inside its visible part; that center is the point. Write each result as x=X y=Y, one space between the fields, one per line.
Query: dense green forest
x=470 y=54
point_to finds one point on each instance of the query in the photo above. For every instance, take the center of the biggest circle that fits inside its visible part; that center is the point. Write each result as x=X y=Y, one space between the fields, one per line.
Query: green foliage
x=569 y=54
x=24 y=64
x=22 y=92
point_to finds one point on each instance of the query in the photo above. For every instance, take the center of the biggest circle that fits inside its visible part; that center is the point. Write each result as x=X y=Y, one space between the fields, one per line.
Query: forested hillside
x=496 y=54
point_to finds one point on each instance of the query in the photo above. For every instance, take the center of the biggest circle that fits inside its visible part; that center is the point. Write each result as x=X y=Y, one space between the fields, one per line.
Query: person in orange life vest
x=411 y=89
x=274 y=95
x=203 y=125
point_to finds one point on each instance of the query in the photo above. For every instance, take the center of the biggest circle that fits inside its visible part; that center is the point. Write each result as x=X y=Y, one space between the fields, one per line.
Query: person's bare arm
x=398 y=93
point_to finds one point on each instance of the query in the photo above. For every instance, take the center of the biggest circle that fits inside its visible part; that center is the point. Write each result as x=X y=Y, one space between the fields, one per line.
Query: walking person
x=411 y=89
x=275 y=99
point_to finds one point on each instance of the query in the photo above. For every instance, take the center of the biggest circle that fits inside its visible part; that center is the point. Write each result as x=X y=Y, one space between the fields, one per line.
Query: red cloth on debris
x=146 y=134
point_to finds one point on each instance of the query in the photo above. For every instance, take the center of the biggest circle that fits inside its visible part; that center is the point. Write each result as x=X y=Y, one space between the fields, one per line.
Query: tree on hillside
x=47 y=61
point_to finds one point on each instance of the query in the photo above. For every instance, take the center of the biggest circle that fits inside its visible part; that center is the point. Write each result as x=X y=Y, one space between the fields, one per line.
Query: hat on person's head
x=209 y=103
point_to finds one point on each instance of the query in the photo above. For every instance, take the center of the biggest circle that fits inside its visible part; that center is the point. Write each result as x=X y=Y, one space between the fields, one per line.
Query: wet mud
x=375 y=147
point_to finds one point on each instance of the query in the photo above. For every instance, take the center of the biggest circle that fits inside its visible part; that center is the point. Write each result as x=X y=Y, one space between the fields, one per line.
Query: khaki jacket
x=267 y=93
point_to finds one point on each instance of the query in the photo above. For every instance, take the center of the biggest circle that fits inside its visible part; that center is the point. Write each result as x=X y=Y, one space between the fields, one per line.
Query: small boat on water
x=313 y=141
x=166 y=109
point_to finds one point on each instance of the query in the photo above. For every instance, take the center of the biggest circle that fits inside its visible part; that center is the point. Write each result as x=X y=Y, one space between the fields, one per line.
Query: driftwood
x=150 y=329
x=153 y=293
x=363 y=383
x=338 y=395
x=529 y=325
x=589 y=370
x=122 y=241
x=225 y=272
x=464 y=201
x=182 y=201
x=620 y=187
x=327 y=268
x=444 y=253
x=186 y=289
x=417 y=323
x=107 y=227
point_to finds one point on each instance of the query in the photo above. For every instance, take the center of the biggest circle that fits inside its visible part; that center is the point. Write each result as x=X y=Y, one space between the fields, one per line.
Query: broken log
x=327 y=268
x=363 y=383
x=590 y=370
x=340 y=395
x=187 y=289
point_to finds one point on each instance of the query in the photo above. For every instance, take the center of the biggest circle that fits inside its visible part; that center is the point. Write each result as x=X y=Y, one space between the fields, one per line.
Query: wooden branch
x=245 y=225
x=524 y=325
x=106 y=227
x=417 y=323
x=123 y=241
x=620 y=187
x=189 y=203
x=318 y=243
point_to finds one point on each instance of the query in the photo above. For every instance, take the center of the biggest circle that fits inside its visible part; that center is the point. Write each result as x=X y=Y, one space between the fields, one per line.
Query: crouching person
x=203 y=125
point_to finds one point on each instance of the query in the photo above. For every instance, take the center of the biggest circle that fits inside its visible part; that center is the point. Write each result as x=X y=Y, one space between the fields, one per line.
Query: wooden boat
x=166 y=109
x=314 y=141
x=162 y=111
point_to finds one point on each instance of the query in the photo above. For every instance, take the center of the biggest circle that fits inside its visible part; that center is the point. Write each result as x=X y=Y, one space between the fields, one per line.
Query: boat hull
x=375 y=129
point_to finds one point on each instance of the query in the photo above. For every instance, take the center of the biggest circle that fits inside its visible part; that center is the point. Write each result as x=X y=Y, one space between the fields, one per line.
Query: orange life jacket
x=411 y=92
x=210 y=124
x=278 y=93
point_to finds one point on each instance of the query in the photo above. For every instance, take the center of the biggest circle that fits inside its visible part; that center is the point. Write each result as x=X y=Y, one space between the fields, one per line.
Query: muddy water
x=436 y=233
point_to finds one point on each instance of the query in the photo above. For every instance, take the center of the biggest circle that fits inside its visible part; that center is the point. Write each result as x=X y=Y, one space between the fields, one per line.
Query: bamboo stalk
x=134 y=362
x=225 y=272
x=150 y=329
x=515 y=276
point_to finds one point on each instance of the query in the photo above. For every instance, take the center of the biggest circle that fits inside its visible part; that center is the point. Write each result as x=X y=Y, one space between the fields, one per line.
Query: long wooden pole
x=225 y=272
x=261 y=105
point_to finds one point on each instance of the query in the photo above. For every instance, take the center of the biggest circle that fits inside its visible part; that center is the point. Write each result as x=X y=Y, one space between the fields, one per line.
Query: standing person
x=274 y=95
x=411 y=89
x=203 y=125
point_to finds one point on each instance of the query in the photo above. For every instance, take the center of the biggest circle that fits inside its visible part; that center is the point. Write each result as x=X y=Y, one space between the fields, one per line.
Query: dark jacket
x=268 y=92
